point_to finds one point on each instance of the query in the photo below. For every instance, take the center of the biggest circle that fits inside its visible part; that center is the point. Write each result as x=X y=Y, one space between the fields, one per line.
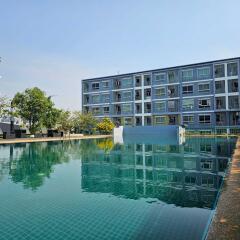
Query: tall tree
x=32 y=106
x=65 y=121
x=87 y=123
x=4 y=106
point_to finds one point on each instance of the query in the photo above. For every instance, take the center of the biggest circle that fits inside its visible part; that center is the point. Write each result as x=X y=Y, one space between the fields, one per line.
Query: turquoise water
x=95 y=189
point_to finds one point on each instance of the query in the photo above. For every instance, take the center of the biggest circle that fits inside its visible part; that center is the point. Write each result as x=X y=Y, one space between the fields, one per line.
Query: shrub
x=105 y=126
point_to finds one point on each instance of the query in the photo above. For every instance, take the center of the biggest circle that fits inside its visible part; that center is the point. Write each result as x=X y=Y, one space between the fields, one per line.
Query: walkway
x=226 y=222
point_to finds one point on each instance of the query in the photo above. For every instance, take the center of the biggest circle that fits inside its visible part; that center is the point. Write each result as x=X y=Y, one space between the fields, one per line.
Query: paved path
x=226 y=222
x=50 y=139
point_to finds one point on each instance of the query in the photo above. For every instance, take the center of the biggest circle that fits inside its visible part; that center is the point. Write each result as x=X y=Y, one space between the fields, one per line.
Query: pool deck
x=226 y=221
x=51 y=139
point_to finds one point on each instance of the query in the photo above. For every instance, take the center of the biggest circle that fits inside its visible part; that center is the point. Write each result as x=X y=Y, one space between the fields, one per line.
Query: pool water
x=95 y=189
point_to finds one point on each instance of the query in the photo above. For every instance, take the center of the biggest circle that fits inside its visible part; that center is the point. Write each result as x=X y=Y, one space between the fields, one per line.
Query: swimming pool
x=95 y=189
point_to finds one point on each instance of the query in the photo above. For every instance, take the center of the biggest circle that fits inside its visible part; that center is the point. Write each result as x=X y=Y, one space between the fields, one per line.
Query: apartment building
x=202 y=96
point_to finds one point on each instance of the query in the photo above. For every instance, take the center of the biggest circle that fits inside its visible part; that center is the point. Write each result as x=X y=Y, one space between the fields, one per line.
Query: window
x=187 y=89
x=160 y=92
x=232 y=69
x=188 y=104
x=138 y=94
x=188 y=119
x=203 y=87
x=95 y=86
x=171 y=104
x=233 y=102
x=220 y=102
x=204 y=119
x=189 y=163
x=105 y=98
x=148 y=121
x=147 y=107
x=127 y=108
x=95 y=98
x=206 y=164
x=147 y=80
x=160 y=78
x=105 y=110
x=127 y=121
x=204 y=103
x=96 y=110
x=171 y=76
x=233 y=85
x=203 y=73
x=160 y=107
x=219 y=71
x=138 y=108
x=187 y=75
x=147 y=93
x=126 y=82
x=138 y=81
x=127 y=96
x=86 y=99
x=220 y=86
x=206 y=148
x=85 y=87
x=160 y=120
x=207 y=181
x=105 y=84
x=190 y=179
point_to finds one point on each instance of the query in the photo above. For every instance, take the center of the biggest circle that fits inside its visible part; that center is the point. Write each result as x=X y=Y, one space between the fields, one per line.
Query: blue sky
x=53 y=44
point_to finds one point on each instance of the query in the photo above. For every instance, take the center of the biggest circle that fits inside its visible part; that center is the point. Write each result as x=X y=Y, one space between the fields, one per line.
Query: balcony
x=138 y=81
x=117 y=97
x=117 y=109
x=219 y=71
x=221 y=119
x=234 y=118
x=138 y=95
x=220 y=103
x=220 y=87
x=138 y=108
x=147 y=94
x=172 y=106
x=147 y=80
x=233 y=102
x=233 y=85
x=85 y=87
x=86 y=99
x=147 y=107
x=172 y=91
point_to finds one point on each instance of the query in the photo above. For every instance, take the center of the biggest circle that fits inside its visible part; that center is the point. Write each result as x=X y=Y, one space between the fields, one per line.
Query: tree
x=4 y=106
x=65 y=121
x=51 y=117
x=87 y=123
x=76 y=119
x=105 y=126
x=34 y=107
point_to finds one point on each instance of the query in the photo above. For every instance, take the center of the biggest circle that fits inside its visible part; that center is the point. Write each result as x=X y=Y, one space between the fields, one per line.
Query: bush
x=105 y=126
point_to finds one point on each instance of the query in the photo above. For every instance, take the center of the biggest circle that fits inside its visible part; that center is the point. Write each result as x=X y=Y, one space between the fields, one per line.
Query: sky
x=53 y=44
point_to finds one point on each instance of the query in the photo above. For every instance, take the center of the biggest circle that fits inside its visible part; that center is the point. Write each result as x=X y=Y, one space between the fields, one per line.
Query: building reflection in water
x=185 y=175
x=188 y=175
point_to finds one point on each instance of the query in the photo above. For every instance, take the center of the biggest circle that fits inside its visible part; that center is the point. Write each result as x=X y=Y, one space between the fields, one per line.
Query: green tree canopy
x=65 y=121
x=34 y=107
x=87 y=123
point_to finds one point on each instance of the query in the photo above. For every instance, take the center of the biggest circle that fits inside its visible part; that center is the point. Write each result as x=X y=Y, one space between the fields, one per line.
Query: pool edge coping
x=32 y=140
